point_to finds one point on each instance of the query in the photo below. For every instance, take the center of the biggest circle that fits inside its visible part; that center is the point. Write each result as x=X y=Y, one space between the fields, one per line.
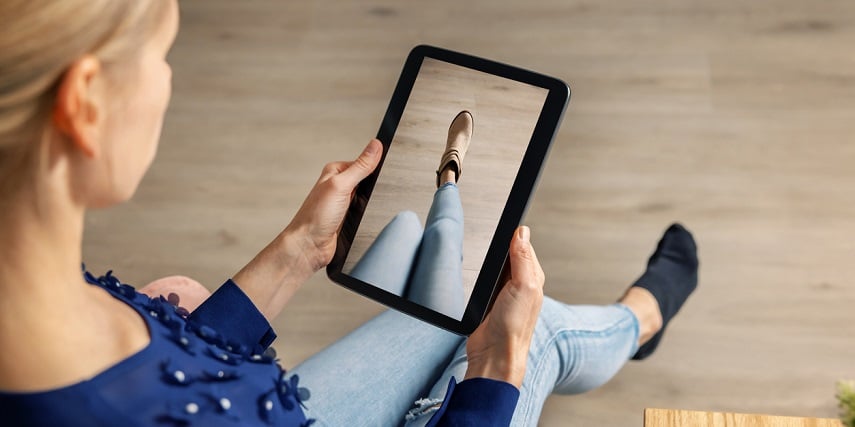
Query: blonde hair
x=39 y=40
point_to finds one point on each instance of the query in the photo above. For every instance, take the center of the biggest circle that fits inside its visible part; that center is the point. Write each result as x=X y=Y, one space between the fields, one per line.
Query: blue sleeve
x=476 y=402
x=234 y=316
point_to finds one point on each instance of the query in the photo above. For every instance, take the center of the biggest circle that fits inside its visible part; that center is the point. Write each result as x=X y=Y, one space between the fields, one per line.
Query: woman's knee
x=190 y=293
x=407 y=222
x=444 y=229
x=590 y=344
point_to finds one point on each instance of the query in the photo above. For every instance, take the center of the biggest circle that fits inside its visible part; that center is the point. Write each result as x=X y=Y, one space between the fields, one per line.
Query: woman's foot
x=656 y=297
x=643 y=304
x=459 y=136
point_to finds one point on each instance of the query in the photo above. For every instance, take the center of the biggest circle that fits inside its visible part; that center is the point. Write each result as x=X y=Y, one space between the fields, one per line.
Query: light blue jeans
x=394 y=369
x=422 y=266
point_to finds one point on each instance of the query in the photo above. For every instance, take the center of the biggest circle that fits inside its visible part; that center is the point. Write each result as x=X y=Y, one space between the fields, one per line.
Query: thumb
x=364 y=164
x=522 y=257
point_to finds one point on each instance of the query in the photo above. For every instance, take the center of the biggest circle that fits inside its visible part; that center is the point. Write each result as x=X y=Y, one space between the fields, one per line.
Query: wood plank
x=676 y=418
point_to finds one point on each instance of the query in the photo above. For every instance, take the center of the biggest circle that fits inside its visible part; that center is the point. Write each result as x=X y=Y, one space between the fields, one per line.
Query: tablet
x=464 y=141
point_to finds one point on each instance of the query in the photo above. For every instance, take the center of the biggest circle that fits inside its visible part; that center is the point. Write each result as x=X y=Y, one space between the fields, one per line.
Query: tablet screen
x=427 y=241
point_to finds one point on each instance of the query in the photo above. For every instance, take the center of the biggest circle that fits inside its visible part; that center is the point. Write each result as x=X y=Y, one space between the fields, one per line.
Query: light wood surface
x=735 y=117
x=680 y=418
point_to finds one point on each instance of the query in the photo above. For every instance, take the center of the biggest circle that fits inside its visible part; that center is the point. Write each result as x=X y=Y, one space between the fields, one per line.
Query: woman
x=83 y=89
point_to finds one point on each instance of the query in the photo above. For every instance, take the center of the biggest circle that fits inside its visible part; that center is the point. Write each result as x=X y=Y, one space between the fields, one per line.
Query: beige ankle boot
x=459 y=135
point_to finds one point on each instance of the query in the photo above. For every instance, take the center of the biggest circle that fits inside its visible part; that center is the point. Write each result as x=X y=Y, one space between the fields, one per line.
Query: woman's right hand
x=498 y=349
x=318 y=222
x=308 y=243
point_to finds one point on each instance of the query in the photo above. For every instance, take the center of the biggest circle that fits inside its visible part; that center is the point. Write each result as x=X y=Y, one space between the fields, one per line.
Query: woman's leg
x=578 y=348
x=372 y=376
x=574 y=349
x=388 y=261
x=437 y=279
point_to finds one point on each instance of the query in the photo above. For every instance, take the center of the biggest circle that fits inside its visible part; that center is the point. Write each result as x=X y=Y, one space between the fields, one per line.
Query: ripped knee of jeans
x=423 y=407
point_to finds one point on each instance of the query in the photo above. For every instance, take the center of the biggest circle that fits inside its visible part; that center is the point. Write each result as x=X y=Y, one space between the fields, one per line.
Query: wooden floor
x=736 y=118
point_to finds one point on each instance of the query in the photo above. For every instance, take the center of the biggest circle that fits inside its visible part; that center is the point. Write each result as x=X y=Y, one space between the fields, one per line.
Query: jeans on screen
x=423 y=266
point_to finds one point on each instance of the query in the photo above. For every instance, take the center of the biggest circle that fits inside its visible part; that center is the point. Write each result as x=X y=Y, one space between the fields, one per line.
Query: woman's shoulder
x=188 y=373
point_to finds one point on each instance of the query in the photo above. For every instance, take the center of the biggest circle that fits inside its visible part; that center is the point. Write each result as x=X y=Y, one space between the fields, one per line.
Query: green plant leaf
x=846 y=398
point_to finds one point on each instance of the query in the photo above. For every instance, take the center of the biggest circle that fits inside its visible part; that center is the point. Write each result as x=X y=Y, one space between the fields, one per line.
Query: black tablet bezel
x=515 y=207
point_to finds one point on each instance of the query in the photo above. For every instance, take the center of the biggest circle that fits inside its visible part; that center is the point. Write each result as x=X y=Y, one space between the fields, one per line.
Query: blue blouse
x=209 y=368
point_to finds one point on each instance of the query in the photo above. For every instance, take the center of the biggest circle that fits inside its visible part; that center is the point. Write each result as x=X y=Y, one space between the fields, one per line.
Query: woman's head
x=83 y=88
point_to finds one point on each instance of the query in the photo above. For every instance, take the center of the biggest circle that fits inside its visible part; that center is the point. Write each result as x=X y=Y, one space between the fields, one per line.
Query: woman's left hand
x=498 y=349
x=308 y=243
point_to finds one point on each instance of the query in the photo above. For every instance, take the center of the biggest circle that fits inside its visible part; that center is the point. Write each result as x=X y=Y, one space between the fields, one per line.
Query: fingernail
x=524 y=233
x=371 y=149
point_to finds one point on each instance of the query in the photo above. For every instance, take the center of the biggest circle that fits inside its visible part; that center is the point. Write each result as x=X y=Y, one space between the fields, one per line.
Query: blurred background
x=735 y=118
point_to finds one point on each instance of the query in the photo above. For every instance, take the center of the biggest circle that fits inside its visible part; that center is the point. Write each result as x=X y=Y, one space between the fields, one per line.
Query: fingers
x=360 y=168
